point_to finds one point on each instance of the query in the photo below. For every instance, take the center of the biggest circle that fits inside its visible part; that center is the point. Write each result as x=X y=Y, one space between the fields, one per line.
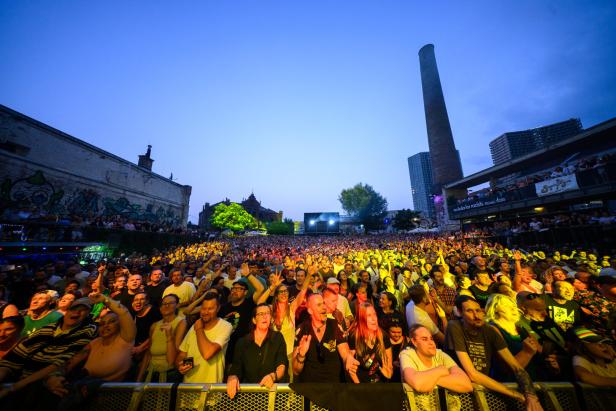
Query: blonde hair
x=494 y=302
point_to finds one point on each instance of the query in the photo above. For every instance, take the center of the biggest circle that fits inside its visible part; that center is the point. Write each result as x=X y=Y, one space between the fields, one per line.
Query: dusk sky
x=296 y=100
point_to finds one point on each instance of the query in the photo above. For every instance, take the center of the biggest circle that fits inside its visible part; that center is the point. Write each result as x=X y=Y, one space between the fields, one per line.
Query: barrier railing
x=200 y=397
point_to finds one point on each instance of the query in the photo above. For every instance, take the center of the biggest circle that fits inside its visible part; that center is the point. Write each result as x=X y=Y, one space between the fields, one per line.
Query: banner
x=556 y=185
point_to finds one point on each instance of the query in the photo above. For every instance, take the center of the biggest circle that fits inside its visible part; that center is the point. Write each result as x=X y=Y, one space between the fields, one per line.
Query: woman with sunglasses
x=283 y=312
x=166 y=336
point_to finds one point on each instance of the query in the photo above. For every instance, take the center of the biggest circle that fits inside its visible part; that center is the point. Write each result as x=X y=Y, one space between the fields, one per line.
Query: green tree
x=232 y=217
x=406 y=219
x=364 y=203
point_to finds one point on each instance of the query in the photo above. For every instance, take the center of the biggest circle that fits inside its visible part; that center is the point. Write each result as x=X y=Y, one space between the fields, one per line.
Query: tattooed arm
x=525 y=384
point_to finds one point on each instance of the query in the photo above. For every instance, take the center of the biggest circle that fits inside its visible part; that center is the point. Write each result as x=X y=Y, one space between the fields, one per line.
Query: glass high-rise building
x=512 y=145
x=420 y=171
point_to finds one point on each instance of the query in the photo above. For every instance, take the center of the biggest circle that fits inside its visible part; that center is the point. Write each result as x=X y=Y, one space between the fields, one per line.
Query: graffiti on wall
x=35 y=195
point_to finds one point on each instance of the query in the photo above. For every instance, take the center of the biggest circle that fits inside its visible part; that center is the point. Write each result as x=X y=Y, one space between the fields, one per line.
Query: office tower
x=420 y=171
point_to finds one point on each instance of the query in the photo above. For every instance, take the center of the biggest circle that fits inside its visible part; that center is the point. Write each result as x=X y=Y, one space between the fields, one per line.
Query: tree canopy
x=406 y=219
x=363 y=202
x=232 y=217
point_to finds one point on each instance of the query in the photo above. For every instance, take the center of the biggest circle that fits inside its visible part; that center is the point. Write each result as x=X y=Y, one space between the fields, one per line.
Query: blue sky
x=297 y=100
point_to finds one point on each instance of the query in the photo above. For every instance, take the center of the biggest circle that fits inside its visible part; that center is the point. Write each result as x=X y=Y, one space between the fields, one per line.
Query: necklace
x=318 y=329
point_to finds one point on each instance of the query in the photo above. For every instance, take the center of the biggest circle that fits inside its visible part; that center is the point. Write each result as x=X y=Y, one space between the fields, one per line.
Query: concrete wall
x=46 y=170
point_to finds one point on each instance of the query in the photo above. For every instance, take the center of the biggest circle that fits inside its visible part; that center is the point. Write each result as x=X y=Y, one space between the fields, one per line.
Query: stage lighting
x=331 y=222
x=312 y=222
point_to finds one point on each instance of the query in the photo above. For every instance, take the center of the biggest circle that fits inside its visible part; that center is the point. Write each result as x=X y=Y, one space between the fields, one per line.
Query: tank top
x=158 y=348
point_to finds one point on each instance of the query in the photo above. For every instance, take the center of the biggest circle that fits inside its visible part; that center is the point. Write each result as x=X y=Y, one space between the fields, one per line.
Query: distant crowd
x=426 y=310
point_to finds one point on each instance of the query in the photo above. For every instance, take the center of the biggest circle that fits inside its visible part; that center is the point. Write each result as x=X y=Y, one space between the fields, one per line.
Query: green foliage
x=280 y=228
x=405 y=219
x=364 y=203
x=232 y=217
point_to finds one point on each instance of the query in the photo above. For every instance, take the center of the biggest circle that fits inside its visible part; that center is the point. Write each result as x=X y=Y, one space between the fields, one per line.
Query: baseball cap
x=85 y=301
x=333 y=280
x=587 y=335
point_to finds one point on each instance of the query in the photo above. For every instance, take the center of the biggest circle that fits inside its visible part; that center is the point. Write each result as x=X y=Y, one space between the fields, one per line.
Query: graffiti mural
x=35 y=195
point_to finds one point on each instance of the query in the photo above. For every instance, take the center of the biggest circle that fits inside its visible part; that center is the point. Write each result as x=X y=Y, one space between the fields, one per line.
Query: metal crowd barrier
x=202 y=397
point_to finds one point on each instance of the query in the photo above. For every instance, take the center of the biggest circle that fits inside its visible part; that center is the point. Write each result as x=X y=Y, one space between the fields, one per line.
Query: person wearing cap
x=53 y=344
x=342 y=303
x=238 y=311
x=597 y=305
x=595 y=362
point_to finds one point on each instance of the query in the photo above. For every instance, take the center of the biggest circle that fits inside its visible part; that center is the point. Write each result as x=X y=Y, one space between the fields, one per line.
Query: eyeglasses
x=168 y=304
x=263 y=314
x=285 y=291
x=532 y=296
x=238 y=289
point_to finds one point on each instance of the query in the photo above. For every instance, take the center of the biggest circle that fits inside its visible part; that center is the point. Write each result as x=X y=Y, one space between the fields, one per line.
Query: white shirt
x=212 y=370
x=416 y=315
x=342 y=305
x=409 y=358
x=184 y=291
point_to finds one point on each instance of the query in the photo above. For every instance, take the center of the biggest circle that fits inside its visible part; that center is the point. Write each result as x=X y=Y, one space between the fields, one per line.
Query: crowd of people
x=34 y=224
x=598 y=163
x=429 y=311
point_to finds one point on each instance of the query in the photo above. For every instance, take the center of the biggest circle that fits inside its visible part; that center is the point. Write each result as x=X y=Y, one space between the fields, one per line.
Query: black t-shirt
x=395 y=357
x=155 y=292
x=369 y=361
x=322 y=363
x=144 y=323
x=126 y=299
x=251 y=363
x=564 y=315
x=480 y=344
x=239 y=317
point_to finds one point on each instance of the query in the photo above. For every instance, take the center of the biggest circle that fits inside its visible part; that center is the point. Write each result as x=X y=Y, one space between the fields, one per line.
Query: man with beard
x=238 y=311
x=473 y=343
x=201 y=357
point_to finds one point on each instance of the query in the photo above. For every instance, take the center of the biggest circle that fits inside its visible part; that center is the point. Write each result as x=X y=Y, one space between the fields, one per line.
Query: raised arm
x=517 y=279
x=207 y=348
x=128 y=329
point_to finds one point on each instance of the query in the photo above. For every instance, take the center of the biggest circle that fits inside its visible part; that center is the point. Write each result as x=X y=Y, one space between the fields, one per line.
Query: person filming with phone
x=201 y=357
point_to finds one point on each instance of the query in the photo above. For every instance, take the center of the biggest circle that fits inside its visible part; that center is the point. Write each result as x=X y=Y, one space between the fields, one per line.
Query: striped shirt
x=46 y=346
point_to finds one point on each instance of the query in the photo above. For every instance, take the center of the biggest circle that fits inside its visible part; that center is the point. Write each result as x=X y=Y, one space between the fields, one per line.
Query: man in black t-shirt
x=472 y=343
x=238 y=311
x=319 y=347
x=565 y=312
x=156 y=287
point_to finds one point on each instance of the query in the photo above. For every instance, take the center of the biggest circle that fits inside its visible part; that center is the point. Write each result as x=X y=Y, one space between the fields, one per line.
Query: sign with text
x=556 y=185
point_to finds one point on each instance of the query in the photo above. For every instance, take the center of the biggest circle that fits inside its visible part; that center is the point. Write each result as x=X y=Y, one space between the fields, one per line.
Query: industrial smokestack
x=446 y=166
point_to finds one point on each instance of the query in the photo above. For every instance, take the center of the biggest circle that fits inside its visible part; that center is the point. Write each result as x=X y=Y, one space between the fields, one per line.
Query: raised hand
x=304 y=345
